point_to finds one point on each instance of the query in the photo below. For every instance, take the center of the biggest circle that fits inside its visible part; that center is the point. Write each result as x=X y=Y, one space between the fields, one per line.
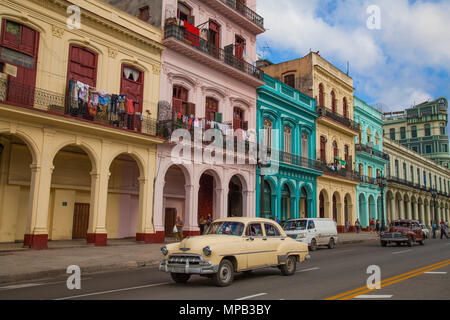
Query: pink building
x=208 y=77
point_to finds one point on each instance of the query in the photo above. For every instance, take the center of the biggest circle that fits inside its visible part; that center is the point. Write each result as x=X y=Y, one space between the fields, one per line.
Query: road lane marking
x=431 y=272
x=112 y=291
x=391 y=280
x=20 y=286
x=252 y=296
x=306 y=270
x=370 y=296
x=397 y=252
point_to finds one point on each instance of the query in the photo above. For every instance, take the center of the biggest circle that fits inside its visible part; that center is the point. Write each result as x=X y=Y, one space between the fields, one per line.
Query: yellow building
x=71 y=168
x=335 y=131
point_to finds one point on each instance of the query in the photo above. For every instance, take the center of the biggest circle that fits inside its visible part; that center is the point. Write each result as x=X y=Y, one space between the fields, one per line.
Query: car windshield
x=295 y=225
x=226 y=227
x=401 y=224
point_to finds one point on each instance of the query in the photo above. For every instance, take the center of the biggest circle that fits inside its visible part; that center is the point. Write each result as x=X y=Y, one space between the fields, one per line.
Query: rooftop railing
x=198 y=43
x=245 y=11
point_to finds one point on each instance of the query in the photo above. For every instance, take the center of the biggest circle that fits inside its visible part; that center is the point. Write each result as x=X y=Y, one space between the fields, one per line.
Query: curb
x=42 y=275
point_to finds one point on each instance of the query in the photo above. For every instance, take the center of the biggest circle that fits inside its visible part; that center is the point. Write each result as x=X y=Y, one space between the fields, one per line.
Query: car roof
x=245 y=219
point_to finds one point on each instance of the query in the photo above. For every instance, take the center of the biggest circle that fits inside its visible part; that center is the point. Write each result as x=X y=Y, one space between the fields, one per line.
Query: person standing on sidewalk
x=347 y=226
x=372 y=225
x=358 y=226
x=443 y=227
x=179 y=233
x=378 y=226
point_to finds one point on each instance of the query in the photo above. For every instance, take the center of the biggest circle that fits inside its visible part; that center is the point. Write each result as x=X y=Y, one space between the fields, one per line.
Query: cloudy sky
x=406 y=61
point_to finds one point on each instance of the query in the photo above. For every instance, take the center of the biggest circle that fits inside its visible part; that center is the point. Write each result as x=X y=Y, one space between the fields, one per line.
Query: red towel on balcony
x=130 y=107
x=192 y=33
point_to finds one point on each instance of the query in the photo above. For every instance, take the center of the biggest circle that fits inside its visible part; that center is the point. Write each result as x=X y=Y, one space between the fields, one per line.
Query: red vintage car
x=403 y=231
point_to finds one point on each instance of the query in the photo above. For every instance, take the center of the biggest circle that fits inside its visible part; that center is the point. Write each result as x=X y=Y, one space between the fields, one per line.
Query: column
x=36 y=232
x=191 y=211
x=97 y=233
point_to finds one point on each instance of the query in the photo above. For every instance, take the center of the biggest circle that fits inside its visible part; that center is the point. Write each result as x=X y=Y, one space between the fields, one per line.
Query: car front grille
x=183 y=260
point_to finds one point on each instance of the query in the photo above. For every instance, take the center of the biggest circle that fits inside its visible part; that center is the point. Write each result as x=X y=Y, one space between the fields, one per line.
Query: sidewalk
x=20 y=264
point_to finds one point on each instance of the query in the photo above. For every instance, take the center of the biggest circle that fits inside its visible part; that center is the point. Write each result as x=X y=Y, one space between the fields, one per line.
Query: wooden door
x=169 y=223
x=82 y=65
x=80 y=221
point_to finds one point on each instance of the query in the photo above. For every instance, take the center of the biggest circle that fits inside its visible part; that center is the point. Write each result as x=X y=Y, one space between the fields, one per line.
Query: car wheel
x=289 y=268
x=410 y=242
x=331 y=244
x=422 y=242
x=224 y=277
x=383 y=243
x=313 y=245
x=180 y=277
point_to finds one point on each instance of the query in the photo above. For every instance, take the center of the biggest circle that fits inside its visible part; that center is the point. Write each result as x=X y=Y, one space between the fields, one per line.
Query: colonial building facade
x=208 y=81
x=417 y=187
x=422 y=129
x=335 y=131
x=286 y=119
x=78 y=129
x=370 y=161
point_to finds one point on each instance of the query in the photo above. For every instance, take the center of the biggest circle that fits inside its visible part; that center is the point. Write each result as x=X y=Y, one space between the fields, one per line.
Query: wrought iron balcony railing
x=297 y=160
x=372 y=151
x=324 y=111
x=337 y=170
x=29 y=97
x=196 y=42
x=245 y=11
x=367 y=179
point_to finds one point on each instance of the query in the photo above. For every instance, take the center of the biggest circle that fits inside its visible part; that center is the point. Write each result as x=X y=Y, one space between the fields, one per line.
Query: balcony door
x=323 y=143
x=82 y=65
x=19 y=48
x=214 y=38
x=132 y=85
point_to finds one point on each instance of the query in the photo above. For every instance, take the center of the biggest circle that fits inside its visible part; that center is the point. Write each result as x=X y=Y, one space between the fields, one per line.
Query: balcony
x=239 y=13
x=334 y=170
x=51 y=103
x=372 y=151
x=293 y=159
x=193 y=46
x=328 y=113
x=369 y=180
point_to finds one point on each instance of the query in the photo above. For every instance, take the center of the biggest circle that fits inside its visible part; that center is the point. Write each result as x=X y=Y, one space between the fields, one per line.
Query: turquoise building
x=286 y=120
x=370 y=161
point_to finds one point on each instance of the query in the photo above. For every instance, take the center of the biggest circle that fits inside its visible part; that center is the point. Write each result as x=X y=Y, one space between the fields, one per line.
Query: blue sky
x=406 y=61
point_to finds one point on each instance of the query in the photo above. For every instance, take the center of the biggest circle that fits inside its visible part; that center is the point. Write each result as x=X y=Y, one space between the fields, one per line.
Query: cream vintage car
x=233 y=245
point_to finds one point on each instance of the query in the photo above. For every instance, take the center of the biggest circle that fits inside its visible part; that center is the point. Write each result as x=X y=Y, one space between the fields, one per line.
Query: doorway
x=80 y=221
x=170 y=216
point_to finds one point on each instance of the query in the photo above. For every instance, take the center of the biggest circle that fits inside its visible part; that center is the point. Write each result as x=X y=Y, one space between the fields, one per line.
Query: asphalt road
x=420 y=272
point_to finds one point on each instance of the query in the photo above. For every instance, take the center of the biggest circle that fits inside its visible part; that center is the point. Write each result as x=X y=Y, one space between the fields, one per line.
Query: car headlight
x=164 y=251
x=207 y=251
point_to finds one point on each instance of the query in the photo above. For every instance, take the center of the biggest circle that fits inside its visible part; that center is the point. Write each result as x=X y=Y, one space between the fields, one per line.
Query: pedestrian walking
x=372 y=225
x=434 y=228
x=358 y=226
x=347 y=226
x=179 y=226
x=443 y=227
x=378 y=226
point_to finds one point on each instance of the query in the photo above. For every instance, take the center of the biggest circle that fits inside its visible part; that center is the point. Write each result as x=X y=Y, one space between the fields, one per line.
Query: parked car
x=233 y=245
x=425 y=230
x=313 y=231
x=403 y=231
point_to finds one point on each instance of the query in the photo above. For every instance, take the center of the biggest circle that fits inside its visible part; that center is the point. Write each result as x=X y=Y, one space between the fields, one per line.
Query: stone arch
x=348 y=208
x=324 y=204
x=306 y=206
x=372 y=208
x=287 y=205
x=85 y=146
x=210 y=189
x=28 y=140
x=336 y=208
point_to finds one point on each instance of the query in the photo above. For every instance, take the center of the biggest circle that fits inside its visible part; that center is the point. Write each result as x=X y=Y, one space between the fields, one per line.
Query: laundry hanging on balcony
x=191 y=34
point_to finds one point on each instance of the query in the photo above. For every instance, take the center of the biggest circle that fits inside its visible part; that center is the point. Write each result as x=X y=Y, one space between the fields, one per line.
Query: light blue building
x=370 y=161
x=288 y=118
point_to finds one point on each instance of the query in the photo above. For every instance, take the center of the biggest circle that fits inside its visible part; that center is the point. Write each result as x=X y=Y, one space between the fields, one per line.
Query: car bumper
x=205 y=267
x=394 y=237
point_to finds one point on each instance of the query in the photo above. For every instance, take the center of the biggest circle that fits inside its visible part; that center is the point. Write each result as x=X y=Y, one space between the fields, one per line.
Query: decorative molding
x=112 y=52
x=57 y=31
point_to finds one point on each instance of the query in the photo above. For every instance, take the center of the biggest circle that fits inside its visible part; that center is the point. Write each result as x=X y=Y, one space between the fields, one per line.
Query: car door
x=273 y=239
x=417 y=231
x=311 y=232
x=256 y=246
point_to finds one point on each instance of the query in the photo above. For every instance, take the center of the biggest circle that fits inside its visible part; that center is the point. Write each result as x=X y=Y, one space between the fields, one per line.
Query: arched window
x=323 y=144
x=344 y=108
x=267 y=132
x=321 y=96
x=287 y=132
x=335 y=151
x=305 y=145
x=369 y=136
x=333 y=102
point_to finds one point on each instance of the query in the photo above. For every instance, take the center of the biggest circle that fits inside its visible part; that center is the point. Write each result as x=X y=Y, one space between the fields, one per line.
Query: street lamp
x=434 y=195
x=381 y=181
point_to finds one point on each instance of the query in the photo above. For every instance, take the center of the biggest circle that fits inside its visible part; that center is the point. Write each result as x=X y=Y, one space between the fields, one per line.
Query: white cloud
x=386 y=65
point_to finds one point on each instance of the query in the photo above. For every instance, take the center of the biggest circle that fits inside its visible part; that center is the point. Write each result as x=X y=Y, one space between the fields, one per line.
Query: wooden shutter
x=176 y=105
x=191 y=20
x=190 y=109
x=218 y=117
x=245 y=125
x=236 y=123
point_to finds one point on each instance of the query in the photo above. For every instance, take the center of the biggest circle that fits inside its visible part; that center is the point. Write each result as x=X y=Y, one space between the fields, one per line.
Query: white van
x=313 y=231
